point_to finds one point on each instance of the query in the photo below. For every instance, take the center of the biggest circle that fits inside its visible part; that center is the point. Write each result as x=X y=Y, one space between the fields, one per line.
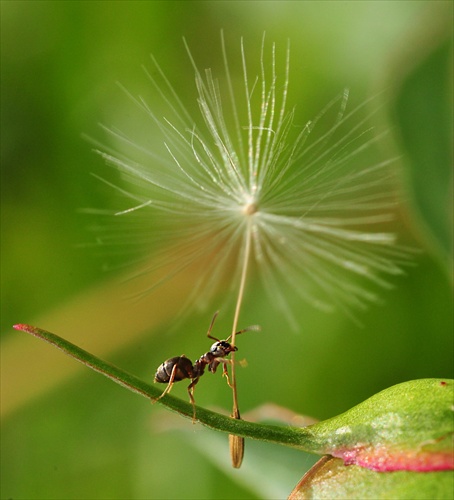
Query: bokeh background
x=68 y=433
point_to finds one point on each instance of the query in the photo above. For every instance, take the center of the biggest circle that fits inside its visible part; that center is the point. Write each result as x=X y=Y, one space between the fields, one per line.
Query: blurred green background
x=69 y=434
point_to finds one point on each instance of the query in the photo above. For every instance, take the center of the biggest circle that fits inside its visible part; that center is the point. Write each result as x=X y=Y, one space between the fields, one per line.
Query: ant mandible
x=180 y=367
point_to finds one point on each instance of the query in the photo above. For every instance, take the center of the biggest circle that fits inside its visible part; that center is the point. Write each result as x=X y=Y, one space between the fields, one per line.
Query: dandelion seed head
x=313 y=206
x=250 y=207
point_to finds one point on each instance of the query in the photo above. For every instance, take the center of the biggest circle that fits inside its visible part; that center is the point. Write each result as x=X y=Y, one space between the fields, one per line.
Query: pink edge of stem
x=382 y=461
x=25 y=328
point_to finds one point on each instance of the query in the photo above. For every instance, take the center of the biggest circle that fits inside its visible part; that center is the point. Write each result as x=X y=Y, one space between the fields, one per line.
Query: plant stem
x=245 y=263
x=290 y=436
x=236 y=444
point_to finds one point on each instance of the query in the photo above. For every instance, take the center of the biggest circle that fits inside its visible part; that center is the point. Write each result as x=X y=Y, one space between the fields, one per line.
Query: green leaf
x=406 y=427
x=331 y=478
x=423 y=110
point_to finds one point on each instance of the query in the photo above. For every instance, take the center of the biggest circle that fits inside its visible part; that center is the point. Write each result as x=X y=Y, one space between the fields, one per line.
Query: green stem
x=244 y=266
x=301 y=438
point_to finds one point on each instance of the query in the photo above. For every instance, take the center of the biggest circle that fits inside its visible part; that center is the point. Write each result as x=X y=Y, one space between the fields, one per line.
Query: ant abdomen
x=183 y=370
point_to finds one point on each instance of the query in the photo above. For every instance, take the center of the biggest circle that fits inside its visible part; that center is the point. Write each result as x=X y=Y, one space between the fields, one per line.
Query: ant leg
x=225 y=372
x=170 y=384
x=216 y=362
x=191 y=396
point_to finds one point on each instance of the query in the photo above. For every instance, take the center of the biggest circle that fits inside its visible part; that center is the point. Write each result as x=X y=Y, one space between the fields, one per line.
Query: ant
x=181 y=367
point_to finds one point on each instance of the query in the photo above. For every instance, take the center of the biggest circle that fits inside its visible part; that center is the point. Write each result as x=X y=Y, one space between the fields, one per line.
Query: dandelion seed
x=238 y=185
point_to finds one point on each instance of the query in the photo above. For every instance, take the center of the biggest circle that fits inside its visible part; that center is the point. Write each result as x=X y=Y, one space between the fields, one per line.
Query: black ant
x=181 y=367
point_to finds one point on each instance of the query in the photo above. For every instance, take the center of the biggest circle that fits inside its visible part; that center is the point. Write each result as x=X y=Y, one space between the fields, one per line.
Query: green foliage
x=423 y=109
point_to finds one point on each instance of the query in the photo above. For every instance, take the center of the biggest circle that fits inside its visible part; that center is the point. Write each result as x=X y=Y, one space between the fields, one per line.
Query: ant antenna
x=255 y=328
x=211 y=327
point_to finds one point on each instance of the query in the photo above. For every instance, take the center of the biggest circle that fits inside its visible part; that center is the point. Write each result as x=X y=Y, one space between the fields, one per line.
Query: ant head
x=221 y=348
